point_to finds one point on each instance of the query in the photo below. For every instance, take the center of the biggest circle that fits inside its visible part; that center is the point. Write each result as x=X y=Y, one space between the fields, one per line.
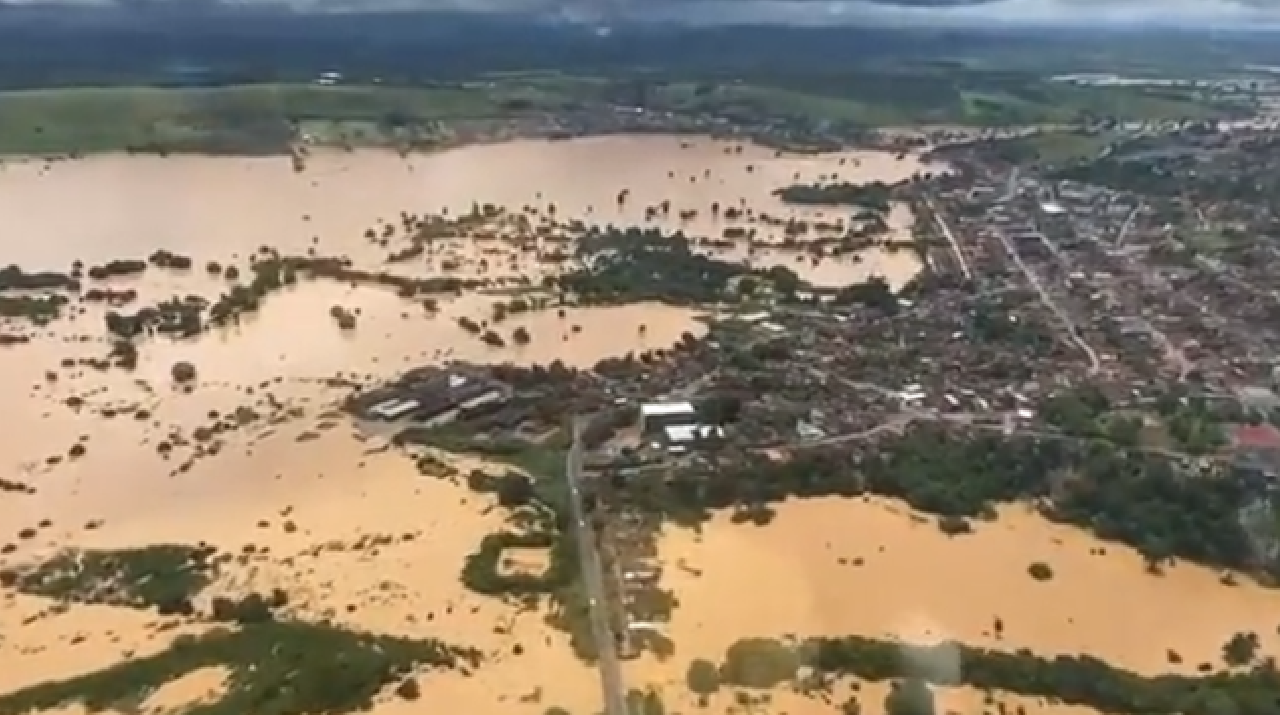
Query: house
x=680 y=439
x=1256 y=451
x=657 y=416
x=393 y=409
x=432 y=396
x=687 y=434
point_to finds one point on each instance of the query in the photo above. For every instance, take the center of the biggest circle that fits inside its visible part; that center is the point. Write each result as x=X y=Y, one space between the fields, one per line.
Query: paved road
x=1073 y=332
x=615 y=698
x=945 y=228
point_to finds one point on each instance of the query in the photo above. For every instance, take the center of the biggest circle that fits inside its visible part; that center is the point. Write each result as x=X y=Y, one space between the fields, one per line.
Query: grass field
x=266 y=118
x=244 y=119
x=1055 y=148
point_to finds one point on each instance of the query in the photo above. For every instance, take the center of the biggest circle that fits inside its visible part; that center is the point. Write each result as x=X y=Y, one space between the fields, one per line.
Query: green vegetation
x=1075 y=680
x=645 y=702
x=544 y=488
x=1186 y=167
x=874 y=196
x=703 y=677
x=39 y=309
x=760 y=663
x=788 y=109
x=165 y=577
x=1040 y=571
x=1192 y=424
x=483 y=572
x=912 y=93
x=1119 y=494
x=191 y=315
x=275 y=669
x=909 y=697
x=251 y=119
x=1056 y=148
x=543 y=461
x=1241 y=650
x=633 y=264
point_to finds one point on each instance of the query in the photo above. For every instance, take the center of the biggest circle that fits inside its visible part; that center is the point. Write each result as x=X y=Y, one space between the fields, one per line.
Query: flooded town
x=646 y=423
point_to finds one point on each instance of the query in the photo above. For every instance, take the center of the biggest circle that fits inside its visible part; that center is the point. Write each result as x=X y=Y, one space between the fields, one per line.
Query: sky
x=1140 y=13
x=1255 y=14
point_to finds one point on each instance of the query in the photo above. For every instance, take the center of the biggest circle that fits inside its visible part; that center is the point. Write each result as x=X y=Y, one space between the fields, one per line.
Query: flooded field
x=109 y=207
x=871 y=567
x=121 y=459
x=354 y=535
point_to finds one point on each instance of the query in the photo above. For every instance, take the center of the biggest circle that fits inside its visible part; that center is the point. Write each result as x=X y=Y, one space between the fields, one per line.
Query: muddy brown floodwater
x=873 y=567
x=334 y=483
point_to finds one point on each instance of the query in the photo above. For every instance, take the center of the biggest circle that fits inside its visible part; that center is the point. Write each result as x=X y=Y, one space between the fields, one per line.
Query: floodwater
x=872 y=567
x=145 y=477
x=107 y=207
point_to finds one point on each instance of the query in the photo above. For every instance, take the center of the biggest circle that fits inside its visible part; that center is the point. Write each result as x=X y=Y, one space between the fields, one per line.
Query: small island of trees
x=873 y=196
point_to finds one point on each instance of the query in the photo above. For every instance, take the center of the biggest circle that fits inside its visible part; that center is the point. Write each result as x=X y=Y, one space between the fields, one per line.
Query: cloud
x=1251 y=14
x=1140 y=13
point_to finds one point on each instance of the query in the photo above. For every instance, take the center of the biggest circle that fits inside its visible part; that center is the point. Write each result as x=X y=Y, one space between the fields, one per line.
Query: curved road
x=615 y=698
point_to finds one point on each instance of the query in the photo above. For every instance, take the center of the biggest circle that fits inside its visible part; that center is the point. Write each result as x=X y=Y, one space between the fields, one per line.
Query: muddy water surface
x=136 y=481
x=872 y=567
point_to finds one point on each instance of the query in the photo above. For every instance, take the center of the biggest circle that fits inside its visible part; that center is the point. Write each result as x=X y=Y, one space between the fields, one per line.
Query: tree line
x=1077 y=680
x=1118 y=494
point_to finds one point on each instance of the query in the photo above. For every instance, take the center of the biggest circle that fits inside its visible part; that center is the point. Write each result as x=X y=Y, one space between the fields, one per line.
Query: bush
x=1040 y=571
x=1083 y=681
x=275 y=669
x=253 y=608
x=164 y=576
x=954 y=525
x=759 y=663
x=183 y=372
x=1241 y=649
x=481 y=571
x=703 y=678
x=910 y=697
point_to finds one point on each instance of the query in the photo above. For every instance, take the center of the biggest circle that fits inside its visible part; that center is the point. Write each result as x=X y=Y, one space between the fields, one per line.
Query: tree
x=703 y=677
x=183 y=372
x=1040 y=571
x=910 y=697
x=720 y=409
x=759 y=663
x=1241 y=649
x=513 y=490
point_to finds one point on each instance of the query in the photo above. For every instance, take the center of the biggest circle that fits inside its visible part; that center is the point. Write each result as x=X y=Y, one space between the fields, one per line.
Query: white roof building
x=667 y=409
x=681 y=434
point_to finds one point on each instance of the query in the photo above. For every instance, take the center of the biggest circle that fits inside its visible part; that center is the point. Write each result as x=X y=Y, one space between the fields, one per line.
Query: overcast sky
x=1180 y=13
x=1186 y=13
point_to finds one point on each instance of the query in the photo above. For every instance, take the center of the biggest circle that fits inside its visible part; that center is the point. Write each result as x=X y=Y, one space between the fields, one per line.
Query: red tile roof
x=1257 y=437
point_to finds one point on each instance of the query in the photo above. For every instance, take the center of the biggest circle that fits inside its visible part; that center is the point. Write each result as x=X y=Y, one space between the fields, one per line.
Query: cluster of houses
x=675 y=426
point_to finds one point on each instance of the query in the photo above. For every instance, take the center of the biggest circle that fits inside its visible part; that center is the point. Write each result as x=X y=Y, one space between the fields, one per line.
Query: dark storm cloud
x=1191 y=13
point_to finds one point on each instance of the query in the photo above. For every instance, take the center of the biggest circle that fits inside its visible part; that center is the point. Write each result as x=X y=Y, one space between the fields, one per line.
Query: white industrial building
x=657 y=416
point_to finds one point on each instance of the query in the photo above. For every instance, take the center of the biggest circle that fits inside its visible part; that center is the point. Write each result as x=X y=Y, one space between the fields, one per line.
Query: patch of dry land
x=189 y=522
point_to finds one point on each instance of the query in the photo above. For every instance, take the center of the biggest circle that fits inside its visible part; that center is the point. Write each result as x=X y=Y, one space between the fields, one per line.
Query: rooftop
x=1257 y=437
x=665 y=409
x=688 y=433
